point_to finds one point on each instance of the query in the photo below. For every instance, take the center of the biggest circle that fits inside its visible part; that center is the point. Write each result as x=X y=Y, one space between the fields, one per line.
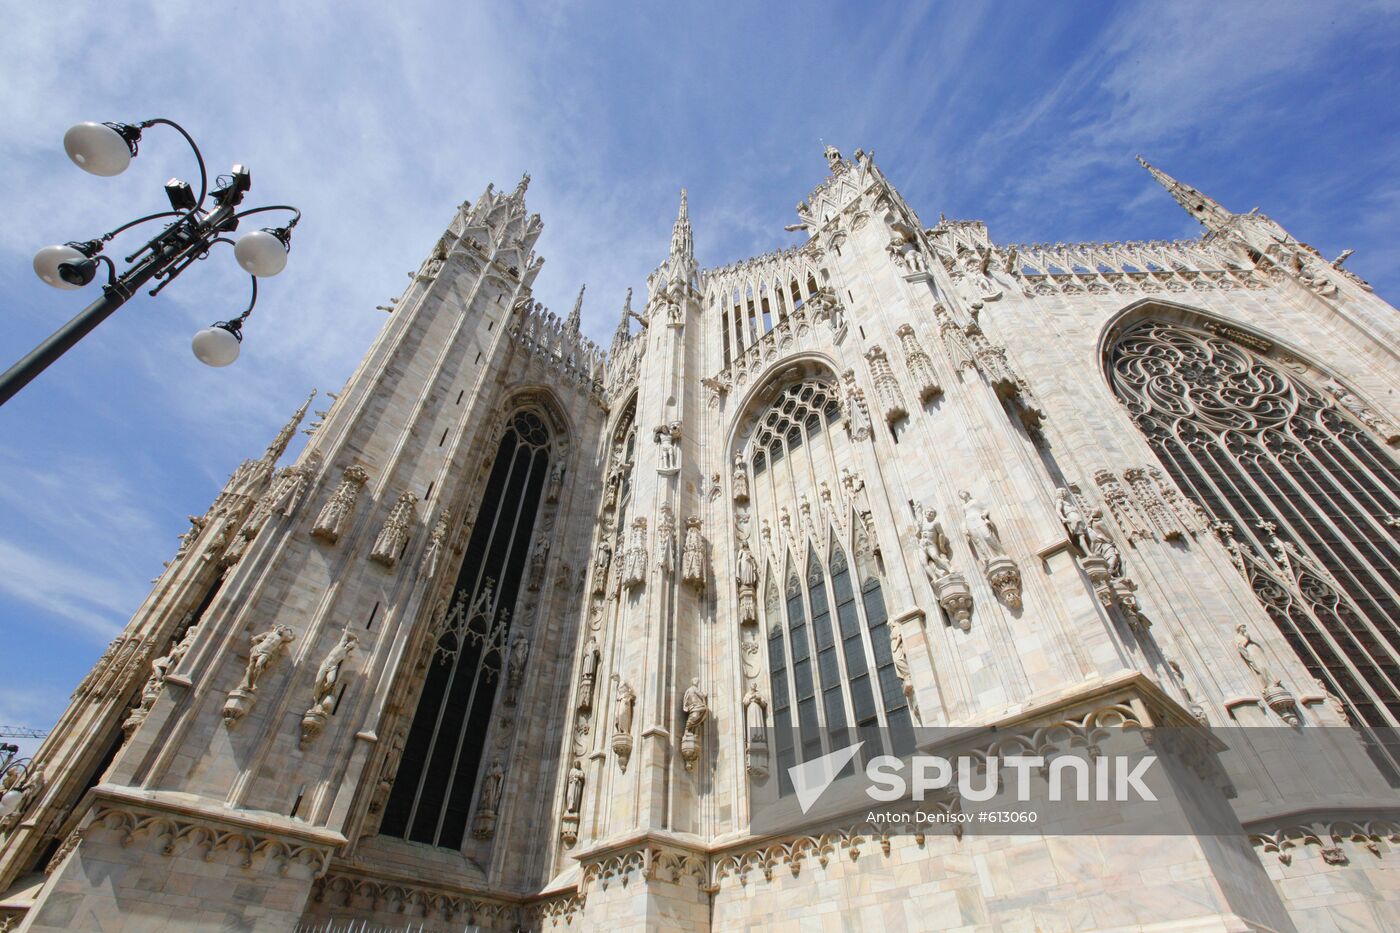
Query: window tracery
x=445 y=746
x=1299 y=488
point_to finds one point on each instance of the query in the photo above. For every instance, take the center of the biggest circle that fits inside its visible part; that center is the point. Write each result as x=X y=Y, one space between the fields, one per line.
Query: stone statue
x=267 y=647
x=588 y=672
x=741 y=480
x=573 y=796
x=1073 y=520
x=328 y=677
x=1101 y=543
x=693 y=554
x=634 y=568
x=160 y=669
x=626 y=704
x=491 y=787
x=437 y=545
x=981 y=531
x=668 y=457
x=394 y=535
x=556 y=483
x=696 y=706
x=336 y=513
x=1253 y=656
x=515 y=673
x=755 y=713
x=538 y=557
x=935 y=546
x=746 y=576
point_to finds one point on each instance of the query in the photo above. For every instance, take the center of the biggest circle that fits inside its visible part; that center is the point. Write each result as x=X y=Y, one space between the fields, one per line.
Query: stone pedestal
x=238 y=704
x=955 y=597
x=1005 y=578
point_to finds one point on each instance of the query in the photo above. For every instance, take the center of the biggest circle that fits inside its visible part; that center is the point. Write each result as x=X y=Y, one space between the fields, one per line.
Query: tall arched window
x=442 y=758
x=1309 y=496
x=830 y=663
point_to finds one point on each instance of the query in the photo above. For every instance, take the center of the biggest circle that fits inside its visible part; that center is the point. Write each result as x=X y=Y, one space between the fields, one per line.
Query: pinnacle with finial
x=1211 y=214
x=624 y=325
x=284 y=437
x=575 y=320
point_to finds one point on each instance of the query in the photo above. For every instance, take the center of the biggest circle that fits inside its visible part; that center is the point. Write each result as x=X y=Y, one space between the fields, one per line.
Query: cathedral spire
x=575 y=321
x=519 y=193
x=1209 y=212
x=284 y=437
x=624 y=326
x=682 y=240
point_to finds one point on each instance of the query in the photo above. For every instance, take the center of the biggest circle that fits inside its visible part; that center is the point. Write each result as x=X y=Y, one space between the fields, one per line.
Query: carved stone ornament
x=693 y=555
x=955 y=596
x=394 y=535
x=329 y=678
x=338 y=512
x=588 y=673
x=1124 y=513
x=1362 y=412
x=539 y=558
x=740 y=480
x=267 y=647
x=518 y=658
x=919 y=363
x=901 y=667
x=1151 y=504
x=666 y=541
x=602 y=559
x=886 y=385
x=625 y=704
x=555 y=484
x=857 y=414
x=696 y=707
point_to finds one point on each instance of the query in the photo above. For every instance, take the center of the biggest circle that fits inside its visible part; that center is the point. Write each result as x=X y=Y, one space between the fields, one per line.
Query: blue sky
x=378 y=119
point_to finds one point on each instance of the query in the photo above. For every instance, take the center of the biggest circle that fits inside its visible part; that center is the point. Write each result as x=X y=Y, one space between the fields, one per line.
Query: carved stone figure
x=267 y=647
x=668 y=455
x=1253 y=656
x=634 y=570
x=388 y=770
x=1073 y=520
x=555 y=484
x=1101 y=543
x=755 y=732
x=934 y=545
x=740 y=480
x=901 y=667
x=328 y=677
x=573 y=795
x=693 y=554
x=491 y=786
x=437 y=546
x=696 y=706
x=979 y=528
x=602 y=558
x=857 y=414
x=160 y=669
x=626 y=700
x=666 y=541
x=515 y=671
x=746 y=576
x=588 y=672
x=394 y=535
x=539 y=556
x=338 y=511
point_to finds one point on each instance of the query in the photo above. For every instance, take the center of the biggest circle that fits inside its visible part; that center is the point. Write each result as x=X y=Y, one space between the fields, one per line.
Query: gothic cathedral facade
x=509 y=643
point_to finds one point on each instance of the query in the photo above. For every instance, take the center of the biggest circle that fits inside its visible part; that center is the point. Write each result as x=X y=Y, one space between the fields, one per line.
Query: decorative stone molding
x=1191 y=516
x=1329 y=836
x=353 y=890
x=1362 y=412
x=437 y=546
x=1150 y=504
x=886 y=385
x=394 y=535
x=634 y=570
x=178 y=832
x=1124 y=513
x=857 y=412
x=339 y=510
x=919 y=364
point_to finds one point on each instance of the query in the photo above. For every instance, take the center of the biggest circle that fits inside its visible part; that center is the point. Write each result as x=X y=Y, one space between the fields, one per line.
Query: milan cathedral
x=513 y=642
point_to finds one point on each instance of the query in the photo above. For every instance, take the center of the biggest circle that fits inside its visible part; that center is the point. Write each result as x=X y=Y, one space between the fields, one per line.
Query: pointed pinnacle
x=1210 y=213
x=279 y=443
x=524 y=183
x=575 y=320
x=685 y=208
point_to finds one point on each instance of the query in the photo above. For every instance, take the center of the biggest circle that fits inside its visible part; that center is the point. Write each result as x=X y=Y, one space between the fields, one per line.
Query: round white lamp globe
x=260 y=253
x=46 y=263
x=9 y=800
x=215 y=346
x=96 y=148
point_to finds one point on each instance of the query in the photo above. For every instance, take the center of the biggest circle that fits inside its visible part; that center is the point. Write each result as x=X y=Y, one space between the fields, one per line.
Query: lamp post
x=196 y=224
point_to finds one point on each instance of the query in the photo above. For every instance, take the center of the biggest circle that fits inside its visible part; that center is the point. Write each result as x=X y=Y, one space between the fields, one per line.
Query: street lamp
x=198 y=222
x=14 y=777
